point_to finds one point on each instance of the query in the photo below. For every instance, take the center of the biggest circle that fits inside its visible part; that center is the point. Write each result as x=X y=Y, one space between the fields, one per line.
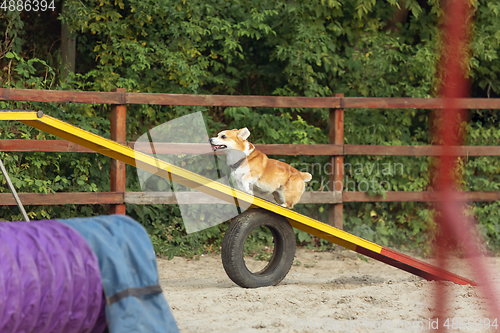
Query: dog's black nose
x=210 y=140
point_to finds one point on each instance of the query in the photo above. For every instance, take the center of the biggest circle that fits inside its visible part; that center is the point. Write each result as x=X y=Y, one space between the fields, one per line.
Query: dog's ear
x=244 y=133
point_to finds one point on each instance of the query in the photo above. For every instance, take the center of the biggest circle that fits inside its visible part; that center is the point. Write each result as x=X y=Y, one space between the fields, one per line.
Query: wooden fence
x=336 y=149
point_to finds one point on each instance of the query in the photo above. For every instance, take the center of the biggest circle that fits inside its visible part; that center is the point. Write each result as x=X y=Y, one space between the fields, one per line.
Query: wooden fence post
x=118 y=133
x=335 y=211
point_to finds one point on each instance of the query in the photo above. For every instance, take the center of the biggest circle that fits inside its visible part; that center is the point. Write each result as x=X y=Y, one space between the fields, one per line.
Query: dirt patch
x=323 y=292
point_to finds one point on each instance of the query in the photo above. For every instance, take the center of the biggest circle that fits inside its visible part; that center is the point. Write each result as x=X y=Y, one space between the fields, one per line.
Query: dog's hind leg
x=293 y=192
x=291 y=200
x=278 y=197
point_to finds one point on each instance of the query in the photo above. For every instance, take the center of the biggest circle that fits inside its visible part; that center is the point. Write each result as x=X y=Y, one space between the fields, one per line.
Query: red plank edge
x=414 y=266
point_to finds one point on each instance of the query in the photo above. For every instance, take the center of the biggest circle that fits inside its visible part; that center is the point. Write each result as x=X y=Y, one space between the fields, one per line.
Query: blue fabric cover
x=126 y=260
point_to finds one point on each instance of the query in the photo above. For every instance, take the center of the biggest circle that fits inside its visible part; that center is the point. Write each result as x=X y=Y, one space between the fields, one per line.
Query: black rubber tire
x=234 y=241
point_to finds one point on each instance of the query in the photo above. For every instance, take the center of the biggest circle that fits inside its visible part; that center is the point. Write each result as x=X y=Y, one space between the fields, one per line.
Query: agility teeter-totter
x=270 y=214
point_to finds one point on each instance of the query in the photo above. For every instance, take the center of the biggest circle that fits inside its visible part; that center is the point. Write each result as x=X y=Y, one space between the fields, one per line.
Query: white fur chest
x=239 y=173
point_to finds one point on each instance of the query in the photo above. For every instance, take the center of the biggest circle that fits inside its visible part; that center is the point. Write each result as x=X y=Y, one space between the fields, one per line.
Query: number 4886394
x=27 y=5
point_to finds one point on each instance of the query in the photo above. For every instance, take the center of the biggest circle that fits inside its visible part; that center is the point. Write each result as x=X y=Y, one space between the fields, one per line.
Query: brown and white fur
x=253 y=170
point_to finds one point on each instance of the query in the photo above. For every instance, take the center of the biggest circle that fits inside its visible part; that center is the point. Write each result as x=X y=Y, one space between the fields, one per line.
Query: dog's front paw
x=247 y=189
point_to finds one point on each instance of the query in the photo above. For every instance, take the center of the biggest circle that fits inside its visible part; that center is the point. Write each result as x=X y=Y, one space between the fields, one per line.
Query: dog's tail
x=306 y=176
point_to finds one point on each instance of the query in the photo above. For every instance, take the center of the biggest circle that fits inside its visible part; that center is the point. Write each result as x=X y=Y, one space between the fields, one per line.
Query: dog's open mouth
x=218 y=147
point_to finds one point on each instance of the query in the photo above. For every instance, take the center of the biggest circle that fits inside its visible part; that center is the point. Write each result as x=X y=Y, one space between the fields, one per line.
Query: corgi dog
x=254 y=171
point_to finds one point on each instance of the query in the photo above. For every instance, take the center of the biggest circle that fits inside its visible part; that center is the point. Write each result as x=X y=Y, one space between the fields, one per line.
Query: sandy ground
x=327 y=292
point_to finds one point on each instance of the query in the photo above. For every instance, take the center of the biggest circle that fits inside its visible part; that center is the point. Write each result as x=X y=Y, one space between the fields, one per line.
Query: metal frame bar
x=13 y=190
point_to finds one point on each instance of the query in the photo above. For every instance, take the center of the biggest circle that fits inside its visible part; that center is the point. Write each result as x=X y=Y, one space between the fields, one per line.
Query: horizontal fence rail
x=169 y=198
x=62 y=146
x=142 y=198
x=71 y=198
x=90 y=97
x=335 y=150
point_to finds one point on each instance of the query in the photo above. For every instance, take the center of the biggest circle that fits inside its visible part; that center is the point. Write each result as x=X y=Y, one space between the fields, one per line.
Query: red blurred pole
x=454 y=85
x=454 y=227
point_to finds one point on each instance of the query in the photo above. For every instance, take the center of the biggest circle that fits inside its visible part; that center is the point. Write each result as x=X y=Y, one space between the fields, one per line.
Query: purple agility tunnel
x=49 y=280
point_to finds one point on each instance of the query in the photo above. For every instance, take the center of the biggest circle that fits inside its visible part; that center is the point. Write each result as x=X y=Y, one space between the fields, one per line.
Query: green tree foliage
x=289 y=48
